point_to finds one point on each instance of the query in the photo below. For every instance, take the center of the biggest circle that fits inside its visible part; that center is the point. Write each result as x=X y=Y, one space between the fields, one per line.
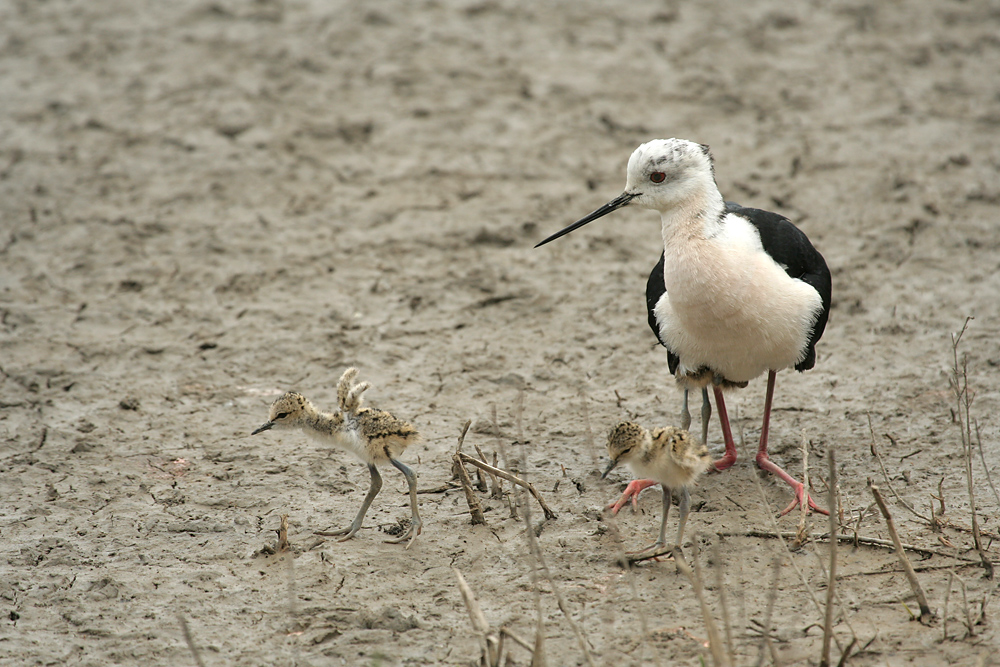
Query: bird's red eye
x=657 y=176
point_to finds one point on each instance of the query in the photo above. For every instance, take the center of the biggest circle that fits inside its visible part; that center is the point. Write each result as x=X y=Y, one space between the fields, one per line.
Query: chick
x=668 y=455
x=374 y=436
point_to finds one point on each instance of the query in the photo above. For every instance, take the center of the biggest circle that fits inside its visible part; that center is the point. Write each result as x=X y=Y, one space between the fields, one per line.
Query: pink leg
x=634 y=488
x=729 y=458
x=764 y=463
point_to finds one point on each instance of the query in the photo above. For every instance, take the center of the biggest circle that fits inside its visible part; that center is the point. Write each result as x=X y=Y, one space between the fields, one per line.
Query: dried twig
x=982 y=458
x=766 y=641
x=475 y=508
x=885 y=476
x=780 y=537
x=801 y=533
x=719 y=656
x=490 y=639
x=549 y=514
x=496 y=491
x=960 y=385
x=828 y=620
x=461 y=436
x=190 y=641
x=822 y=537
x=720 y=585
x=926 y=615
x=536 y=550
x=283 y=534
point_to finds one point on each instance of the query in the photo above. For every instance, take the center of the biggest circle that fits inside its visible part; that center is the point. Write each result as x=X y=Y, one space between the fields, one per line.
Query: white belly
x=734 y=311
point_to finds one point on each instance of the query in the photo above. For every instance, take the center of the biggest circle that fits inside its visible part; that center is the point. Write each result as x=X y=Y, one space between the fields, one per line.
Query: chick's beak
x=263 y=427
x=611 y=466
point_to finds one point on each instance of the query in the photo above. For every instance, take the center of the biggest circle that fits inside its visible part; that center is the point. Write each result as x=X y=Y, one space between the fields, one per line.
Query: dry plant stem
x=960 y=385
x=780 y=537
x=944 y=616
x=190 y=641
x=461 y=437
x=721 y=587
x=986 y=468
x=821 y=537
x=549 y=514
x=538 y=650
x=283 y=534
x=804 y=507
x=765 y=639
x=828 y=620
x=490 y=639
x=494 y=482
x=969 y=625
x=925 y=611
x=719 y=657
x=506 y=632
x=847 y=652
x=536 y=550
x=475 y=509
x=885 y=476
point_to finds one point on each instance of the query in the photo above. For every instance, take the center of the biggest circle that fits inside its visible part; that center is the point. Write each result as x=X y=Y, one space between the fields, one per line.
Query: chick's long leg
x=658 y=544
x=355 y=526
x=683 y=510
x=415 y=524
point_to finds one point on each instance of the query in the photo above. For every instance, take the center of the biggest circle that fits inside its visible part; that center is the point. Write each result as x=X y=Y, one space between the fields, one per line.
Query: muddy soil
x=204 y=203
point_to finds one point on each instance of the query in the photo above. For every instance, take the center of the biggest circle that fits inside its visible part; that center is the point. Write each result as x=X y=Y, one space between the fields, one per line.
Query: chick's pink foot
x=634 y=488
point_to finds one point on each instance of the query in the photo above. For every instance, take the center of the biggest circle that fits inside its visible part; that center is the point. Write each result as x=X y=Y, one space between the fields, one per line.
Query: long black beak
x=621 y=200
x=263 y=427
x=611 y=466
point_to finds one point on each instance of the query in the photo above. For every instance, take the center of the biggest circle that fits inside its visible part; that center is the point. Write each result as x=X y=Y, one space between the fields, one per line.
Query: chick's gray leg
x=685 y=413
x=355 y=526
x=706 y=414
x=685 y=505
x=658 y=544
x=415 y=524
x=666 y=512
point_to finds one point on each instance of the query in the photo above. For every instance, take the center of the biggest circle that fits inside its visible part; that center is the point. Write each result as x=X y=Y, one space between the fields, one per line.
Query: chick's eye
x=657 y=176
x=281 y=415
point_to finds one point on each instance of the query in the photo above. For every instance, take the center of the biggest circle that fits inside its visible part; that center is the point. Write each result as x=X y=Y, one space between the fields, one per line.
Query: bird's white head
x=662 y=175
x=667 y=172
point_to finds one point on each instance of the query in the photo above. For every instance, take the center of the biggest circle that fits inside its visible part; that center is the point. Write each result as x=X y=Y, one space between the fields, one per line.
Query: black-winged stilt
x=737 y=292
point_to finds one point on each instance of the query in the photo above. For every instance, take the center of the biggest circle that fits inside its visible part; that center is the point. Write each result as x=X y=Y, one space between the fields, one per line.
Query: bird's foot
x=634 y=488
x=415 y=529
x=347 y=533
x=651 y=552
x=725 y=462
x=801 y=495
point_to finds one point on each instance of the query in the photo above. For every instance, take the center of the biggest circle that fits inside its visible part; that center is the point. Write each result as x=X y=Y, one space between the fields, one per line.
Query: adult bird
x=737 y=292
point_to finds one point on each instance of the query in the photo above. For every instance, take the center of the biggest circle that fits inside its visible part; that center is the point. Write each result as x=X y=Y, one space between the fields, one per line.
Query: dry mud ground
x=207 y=202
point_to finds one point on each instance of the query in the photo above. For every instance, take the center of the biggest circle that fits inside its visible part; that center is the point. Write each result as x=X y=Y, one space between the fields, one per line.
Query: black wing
x=655 y=288
x=790 y=248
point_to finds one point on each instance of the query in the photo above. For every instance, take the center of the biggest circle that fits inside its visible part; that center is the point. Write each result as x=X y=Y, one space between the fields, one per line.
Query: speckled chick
x=374 y=436
x=668 y=455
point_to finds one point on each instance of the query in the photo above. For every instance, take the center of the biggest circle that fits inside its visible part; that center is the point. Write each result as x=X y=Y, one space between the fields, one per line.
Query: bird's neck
x=324 y=423
x=698 y=216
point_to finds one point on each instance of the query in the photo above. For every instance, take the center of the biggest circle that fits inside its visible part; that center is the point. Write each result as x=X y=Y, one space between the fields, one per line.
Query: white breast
x=730 y=307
